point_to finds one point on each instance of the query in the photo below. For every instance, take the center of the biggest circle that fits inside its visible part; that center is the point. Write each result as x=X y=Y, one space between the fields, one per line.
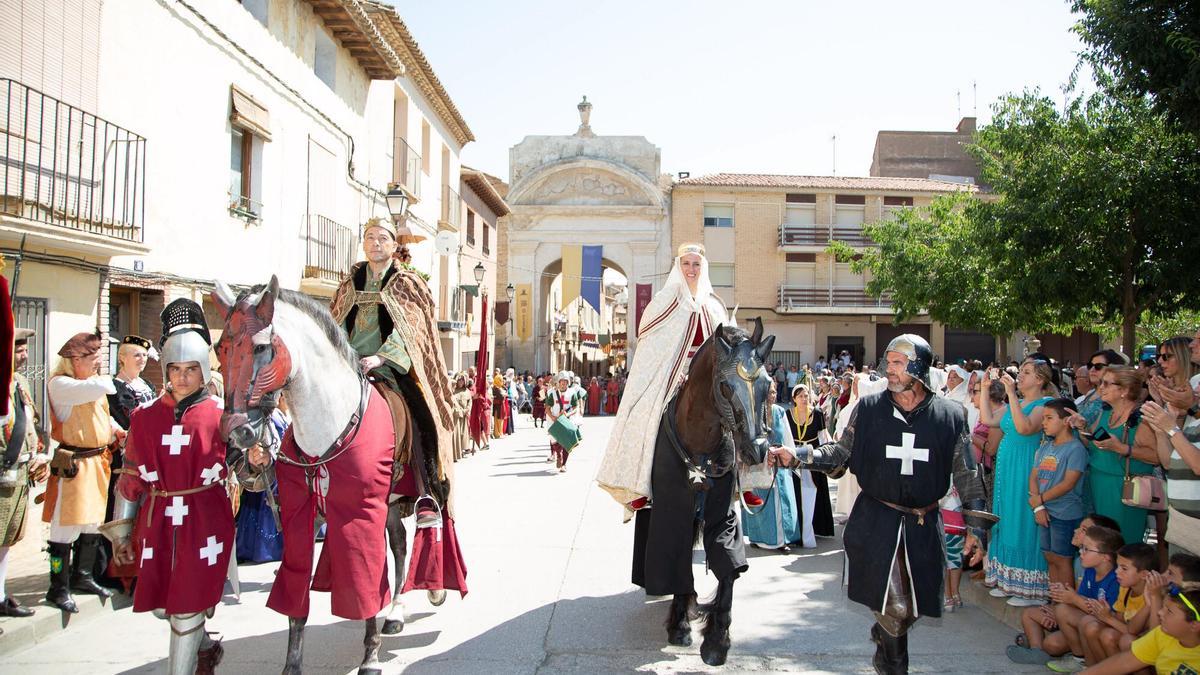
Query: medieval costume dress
x=539 y=403
x=559 y=403
x=258 y=537
x=904 y=461
x=673 y=327
x=816 y=509
x=77 y=490
x=777 y=523
x=594 y=397
x=20 y=450
x=612 y=398
x=391 y=317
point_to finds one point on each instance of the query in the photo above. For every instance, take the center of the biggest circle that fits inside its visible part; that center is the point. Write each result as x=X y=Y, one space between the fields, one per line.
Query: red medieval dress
x=614 y=397
x=539 y=402
x=184 y=530
x=352 y=490
x=593 y=398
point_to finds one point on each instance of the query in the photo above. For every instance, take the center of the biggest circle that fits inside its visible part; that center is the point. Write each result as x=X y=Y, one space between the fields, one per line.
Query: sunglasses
x=1165 y=356
x=1177 y=592
x=1097 y=366
x=1107 y=383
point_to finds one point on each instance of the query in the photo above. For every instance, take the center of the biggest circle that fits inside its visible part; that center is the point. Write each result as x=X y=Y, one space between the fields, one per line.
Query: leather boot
x=891 y=653
x=59 y=593
x=82 y=578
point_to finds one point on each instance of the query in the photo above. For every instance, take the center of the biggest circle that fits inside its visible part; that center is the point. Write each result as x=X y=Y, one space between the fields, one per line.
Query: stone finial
x=585 y=116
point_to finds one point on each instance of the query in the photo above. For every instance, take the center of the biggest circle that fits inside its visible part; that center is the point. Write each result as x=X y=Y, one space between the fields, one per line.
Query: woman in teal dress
x=1121 y=391
x=1016 y=566
x=776 y=524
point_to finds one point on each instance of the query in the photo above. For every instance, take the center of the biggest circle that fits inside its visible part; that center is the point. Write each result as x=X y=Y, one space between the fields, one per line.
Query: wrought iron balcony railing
x=406 y=167
x=821 y=235
x=452 y=207
x=64 y=166
x=799 y=297
x=331 y=249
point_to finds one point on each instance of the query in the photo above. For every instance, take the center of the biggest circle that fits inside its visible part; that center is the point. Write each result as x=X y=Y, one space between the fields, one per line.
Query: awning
x=249 y=115
x=473 y=290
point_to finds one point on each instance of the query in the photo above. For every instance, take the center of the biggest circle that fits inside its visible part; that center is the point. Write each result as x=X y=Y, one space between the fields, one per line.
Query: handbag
x=1143 y=492
x=62 y=464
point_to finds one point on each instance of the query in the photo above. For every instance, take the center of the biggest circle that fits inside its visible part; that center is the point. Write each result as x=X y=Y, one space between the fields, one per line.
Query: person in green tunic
x=1124 y=442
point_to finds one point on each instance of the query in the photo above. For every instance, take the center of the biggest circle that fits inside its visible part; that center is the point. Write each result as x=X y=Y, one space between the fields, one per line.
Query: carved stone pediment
x=587 y=187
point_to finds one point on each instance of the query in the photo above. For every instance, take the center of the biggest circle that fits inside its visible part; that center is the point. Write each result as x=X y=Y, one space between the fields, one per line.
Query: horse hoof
x=713 y=657
x=436 y=598
x=680 y=639
x=392 y=627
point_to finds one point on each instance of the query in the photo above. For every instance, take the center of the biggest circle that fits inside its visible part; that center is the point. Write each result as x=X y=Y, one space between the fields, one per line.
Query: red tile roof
x=779 y=181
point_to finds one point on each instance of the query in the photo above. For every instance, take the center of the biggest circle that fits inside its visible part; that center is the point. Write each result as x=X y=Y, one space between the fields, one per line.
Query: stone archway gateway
x=582 y=189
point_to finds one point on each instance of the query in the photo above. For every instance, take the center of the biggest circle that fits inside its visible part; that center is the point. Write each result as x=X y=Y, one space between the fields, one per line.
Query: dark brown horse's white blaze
x=716 y=419
x=275 y=341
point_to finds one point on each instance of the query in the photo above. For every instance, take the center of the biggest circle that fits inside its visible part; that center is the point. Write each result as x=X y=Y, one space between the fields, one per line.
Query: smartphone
x=993 y=375
x=1100 y=434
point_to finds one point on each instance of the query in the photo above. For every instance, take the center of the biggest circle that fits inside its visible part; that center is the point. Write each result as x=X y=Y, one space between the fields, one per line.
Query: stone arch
x=586 y=182
x=544 y=280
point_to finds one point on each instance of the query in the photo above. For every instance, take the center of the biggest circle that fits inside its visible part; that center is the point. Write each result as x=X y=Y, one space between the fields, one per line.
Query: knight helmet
x=185 y=336
x=920 y=356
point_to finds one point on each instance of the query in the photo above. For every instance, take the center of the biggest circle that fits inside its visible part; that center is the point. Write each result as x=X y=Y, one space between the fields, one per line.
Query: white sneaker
x=1017 y=601
x=1067 y=664
x=997 y=593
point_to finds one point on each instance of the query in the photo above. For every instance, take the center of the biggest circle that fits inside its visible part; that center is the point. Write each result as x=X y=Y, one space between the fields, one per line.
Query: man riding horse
x=382 y=304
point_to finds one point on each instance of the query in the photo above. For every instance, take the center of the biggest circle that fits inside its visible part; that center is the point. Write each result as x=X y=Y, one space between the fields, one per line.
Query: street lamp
x=479 y=272
x=510 y=292
x=397 y=201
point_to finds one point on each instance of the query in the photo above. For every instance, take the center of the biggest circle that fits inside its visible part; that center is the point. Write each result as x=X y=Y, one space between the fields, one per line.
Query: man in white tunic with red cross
x=172 y=513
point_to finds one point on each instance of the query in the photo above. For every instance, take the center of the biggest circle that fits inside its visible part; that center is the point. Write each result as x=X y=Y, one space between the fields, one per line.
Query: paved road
x=549 y=569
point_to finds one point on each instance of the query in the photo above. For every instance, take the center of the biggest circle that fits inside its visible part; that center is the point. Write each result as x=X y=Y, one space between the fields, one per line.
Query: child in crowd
x=1056 y=489
x=1130 y=615
x=1172 y=648
x=1099 y=580
x=1099 y=555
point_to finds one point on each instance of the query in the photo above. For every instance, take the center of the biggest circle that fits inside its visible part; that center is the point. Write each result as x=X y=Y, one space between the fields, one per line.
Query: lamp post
x=397 y=201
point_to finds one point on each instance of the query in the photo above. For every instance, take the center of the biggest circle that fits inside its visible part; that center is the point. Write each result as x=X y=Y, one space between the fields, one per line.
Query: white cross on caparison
x=148 y=476
x=212 y=474
x=147 y=552
x=176 y=511
x=176 y=439
x=211 y=550
x=907 y=453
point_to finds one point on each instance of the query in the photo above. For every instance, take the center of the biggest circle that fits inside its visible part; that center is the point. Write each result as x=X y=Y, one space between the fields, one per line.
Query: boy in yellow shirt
x=1129 y=615
x=1173 y=648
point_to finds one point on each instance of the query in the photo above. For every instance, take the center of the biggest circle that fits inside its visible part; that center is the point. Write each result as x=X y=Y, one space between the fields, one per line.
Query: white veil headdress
x=677 y=282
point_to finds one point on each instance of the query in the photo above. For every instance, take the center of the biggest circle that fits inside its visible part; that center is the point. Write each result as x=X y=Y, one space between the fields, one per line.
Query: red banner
x=644 y=293
x=502 y=312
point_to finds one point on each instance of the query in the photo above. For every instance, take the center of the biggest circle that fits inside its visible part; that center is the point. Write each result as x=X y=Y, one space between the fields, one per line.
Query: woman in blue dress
x=1016 y=566
x=258 y=539
x=776 y=524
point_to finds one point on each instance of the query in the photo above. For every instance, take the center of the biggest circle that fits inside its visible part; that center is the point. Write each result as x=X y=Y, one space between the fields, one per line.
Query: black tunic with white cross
x=907 y=459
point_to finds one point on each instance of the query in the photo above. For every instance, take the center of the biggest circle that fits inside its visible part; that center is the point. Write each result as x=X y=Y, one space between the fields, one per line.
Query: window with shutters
x=893 y=204
x=471 y=227
x=801 y=269
x=849 y=210
x=718 y=215
x=487 y=235
x=720 y=275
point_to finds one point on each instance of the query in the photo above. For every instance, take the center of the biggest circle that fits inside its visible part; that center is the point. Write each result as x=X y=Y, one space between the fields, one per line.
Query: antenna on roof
x=834 y=141
x=958 y=101
x=974 y=98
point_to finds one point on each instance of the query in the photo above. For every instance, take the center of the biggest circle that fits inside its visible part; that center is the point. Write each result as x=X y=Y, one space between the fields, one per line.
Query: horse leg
x=715 y=646
x=393 y=623
x=295 y=651
x=371 y=640
x=679 y=627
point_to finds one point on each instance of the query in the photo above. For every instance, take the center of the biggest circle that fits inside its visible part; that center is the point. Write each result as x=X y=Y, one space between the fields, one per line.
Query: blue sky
x=753 y=87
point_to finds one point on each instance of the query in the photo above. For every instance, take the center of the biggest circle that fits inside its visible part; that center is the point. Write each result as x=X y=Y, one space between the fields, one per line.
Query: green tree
x=1092 y=221
x=1150 y=47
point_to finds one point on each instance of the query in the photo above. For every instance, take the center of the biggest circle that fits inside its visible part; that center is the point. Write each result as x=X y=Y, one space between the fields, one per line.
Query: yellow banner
x=524 y=313
x=572 y=273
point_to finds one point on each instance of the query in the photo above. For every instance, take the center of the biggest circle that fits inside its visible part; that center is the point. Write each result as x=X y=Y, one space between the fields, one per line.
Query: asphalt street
x=548 y=560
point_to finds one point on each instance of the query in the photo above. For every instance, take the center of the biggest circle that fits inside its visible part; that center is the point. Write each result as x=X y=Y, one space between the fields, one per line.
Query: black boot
x=82 y=578
x=891 y=653
x=59 y=593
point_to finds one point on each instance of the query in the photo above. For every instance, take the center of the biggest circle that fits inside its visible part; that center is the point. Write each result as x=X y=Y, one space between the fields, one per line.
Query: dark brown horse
x=716 y=418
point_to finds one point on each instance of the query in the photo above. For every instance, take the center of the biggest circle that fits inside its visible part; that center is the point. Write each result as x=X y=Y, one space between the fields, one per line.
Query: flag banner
x=572 y=270
x=502 y=312
x=592 y=271
x=524 y=311
x=644 y=293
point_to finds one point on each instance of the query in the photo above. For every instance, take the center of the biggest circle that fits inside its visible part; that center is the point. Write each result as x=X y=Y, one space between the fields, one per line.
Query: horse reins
x=344 y=439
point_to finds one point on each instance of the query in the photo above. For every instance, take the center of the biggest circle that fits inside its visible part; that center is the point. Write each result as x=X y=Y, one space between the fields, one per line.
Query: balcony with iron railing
x=330 y=251
x=451 y=208
x=808 y=237
x=406 y=168
x=68 y=175
x=813 y=298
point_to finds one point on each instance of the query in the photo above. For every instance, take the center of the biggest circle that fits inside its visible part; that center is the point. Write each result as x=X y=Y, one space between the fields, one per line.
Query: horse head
x=255 y=362
x=741 y=386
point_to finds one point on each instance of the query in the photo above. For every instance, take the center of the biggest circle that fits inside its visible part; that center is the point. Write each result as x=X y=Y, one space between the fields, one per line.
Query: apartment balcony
x=330 y=251
x=816 y=238
x=406 y=168
x=69 y=179
x=814 y=299
x=451 y=209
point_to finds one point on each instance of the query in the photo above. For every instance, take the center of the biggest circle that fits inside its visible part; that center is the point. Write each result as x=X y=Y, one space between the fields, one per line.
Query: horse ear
x=764 y=348
x=223 y=297
x=265 y=310
x=719 y=338
x=756 y=336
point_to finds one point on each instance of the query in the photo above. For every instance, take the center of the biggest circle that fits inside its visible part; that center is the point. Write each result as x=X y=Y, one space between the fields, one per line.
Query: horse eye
x=261 y=349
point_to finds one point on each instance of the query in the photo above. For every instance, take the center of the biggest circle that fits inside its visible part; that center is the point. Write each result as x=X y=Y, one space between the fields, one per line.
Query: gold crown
x=685 y=249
